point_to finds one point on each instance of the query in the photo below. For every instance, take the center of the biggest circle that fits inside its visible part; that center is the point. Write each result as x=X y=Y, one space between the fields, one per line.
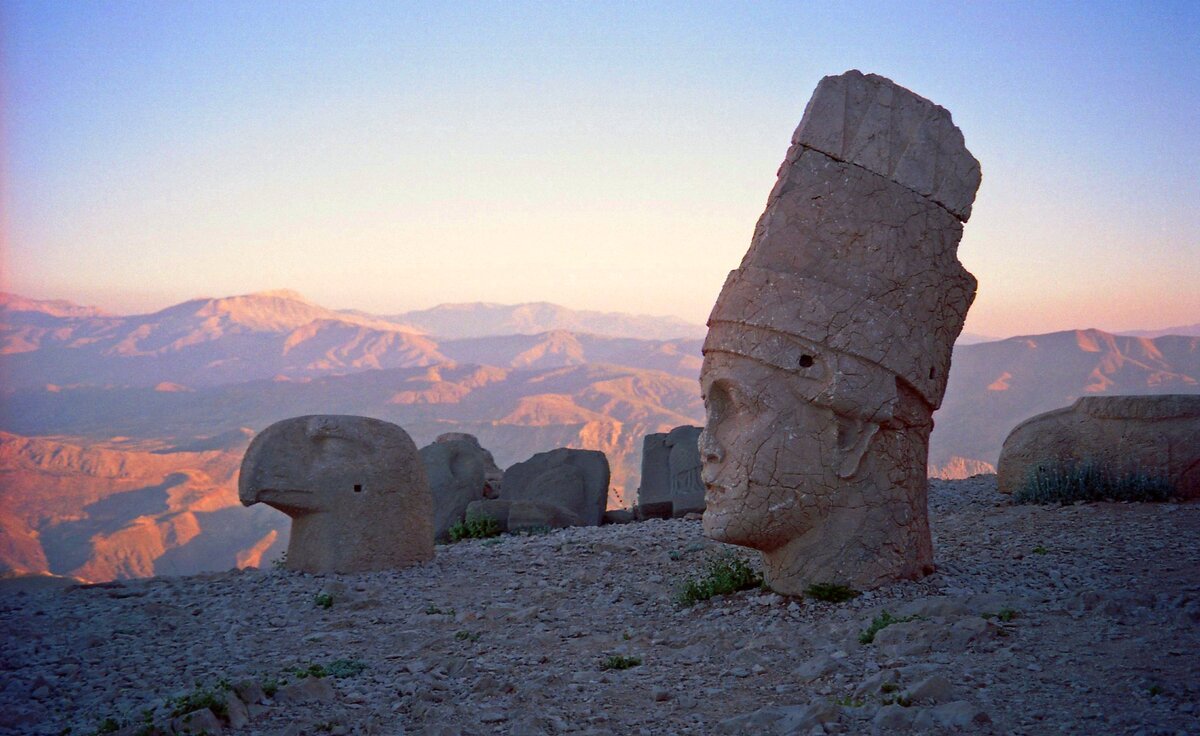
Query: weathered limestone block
x=456 y=478
x=654 y=490
x=868 y=120
x=517 y=516
x=687 y=490
x=492 y=473
x=1152 y=436
x=575 y=480
x=670 y=484
x=828 y=348
x=355 y=488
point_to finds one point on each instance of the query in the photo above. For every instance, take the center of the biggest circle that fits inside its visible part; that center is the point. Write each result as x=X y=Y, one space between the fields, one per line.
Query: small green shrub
x=888 y=687
x=211 y=698
x=1090 y=482
x=474 y=527
x=831 y=592
x=620 y=662
x=849 y=702
x=432 y=610
x=340 y=669
x=879 y=623
x=901 y=700
x=108 y=725
x=323 y=600
x=724 y=573
x=1040 y=550
x=1155 y=690
x=465 y=635
x=1007 y=614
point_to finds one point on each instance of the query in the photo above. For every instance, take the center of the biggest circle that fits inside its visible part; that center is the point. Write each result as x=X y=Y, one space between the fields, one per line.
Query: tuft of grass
x=620 y=662
x=849 y=702
x=879 y=623
x=465 y=635
x=888 y=687
x=1067 y=484
x=212 y=698
x=432 y=610
x=723 y=574
x=474 y=527
x=901 y=700
x=323 y=600
x=1040 y=550
x=831 y=592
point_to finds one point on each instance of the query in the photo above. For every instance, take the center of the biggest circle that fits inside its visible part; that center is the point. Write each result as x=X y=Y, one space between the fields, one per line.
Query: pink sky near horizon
x=390 y=158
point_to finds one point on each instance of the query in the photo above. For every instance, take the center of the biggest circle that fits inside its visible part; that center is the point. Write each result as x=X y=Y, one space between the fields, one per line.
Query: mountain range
x=120 y=436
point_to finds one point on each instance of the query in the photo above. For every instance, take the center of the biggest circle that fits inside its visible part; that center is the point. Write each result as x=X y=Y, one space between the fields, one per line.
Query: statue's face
x=770 y=455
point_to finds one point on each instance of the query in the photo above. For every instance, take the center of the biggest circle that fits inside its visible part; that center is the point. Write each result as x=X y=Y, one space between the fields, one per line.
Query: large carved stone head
x=828 y=348
x=355 y=488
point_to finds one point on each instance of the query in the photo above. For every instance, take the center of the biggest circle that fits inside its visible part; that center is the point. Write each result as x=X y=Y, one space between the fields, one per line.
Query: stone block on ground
x=1140 y=439
x=574 y=480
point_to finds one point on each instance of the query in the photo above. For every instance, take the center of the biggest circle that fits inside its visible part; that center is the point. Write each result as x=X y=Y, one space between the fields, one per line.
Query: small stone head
x=355 y=488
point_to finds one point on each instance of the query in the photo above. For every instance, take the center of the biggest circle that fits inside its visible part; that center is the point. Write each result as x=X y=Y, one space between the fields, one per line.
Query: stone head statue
x=355 y=488
x=828 y=348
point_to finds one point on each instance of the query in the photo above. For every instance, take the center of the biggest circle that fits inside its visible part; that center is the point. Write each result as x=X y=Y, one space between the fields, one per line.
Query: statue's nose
x=710 y=449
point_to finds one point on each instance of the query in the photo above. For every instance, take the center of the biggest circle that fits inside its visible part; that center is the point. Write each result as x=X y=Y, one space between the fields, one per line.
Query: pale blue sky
x=605 y=156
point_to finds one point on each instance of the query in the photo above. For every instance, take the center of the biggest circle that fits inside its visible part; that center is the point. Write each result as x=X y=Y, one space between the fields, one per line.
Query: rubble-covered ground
x=1039 y=620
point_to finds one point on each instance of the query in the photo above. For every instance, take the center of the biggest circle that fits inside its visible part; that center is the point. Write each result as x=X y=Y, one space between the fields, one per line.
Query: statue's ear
x=854 y=436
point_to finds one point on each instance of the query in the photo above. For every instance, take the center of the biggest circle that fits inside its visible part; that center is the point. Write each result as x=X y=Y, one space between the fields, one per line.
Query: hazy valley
x=123 y=434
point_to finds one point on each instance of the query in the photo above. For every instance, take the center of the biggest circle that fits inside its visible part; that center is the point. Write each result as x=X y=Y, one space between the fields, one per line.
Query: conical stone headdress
x=856 y=251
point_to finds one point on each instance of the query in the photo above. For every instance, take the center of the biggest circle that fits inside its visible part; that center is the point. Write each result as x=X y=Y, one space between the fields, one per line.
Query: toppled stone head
x=828 y=348
x=355 y=488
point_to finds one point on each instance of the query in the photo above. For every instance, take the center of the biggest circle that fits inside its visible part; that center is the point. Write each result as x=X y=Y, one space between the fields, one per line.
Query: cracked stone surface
x=829 y=347
x=1157 y=437
x=355 y=488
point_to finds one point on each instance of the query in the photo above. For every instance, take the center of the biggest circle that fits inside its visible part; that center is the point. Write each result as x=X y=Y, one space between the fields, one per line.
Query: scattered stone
x=523 y=516
x=306 y=690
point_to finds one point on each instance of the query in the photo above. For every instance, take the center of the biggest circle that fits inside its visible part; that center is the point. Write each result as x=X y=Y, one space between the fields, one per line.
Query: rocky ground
x=1040 y=620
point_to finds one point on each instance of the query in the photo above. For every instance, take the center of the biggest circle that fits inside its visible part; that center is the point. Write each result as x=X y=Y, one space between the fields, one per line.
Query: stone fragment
x=522 y=516
x=493 y=476
x=654 y=490
x=355 y=488
x=829 y=347
x=307 y=690
x=574 y=480
x=1136 y=439
x=933 y=689
x=202 y=721
x=236 y=711
x=779 y=720
x=958 y=715
x=687 y=490
x=456 y=478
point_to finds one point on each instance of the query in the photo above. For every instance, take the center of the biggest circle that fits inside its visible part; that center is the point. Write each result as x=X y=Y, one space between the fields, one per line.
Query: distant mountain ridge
x=481 y=319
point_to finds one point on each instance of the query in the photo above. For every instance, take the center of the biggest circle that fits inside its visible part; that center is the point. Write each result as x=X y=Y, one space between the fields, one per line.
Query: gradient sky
x=608 y=156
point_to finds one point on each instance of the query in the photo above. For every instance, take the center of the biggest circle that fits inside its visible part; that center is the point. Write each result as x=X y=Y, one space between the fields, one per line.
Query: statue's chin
x=724 y=526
